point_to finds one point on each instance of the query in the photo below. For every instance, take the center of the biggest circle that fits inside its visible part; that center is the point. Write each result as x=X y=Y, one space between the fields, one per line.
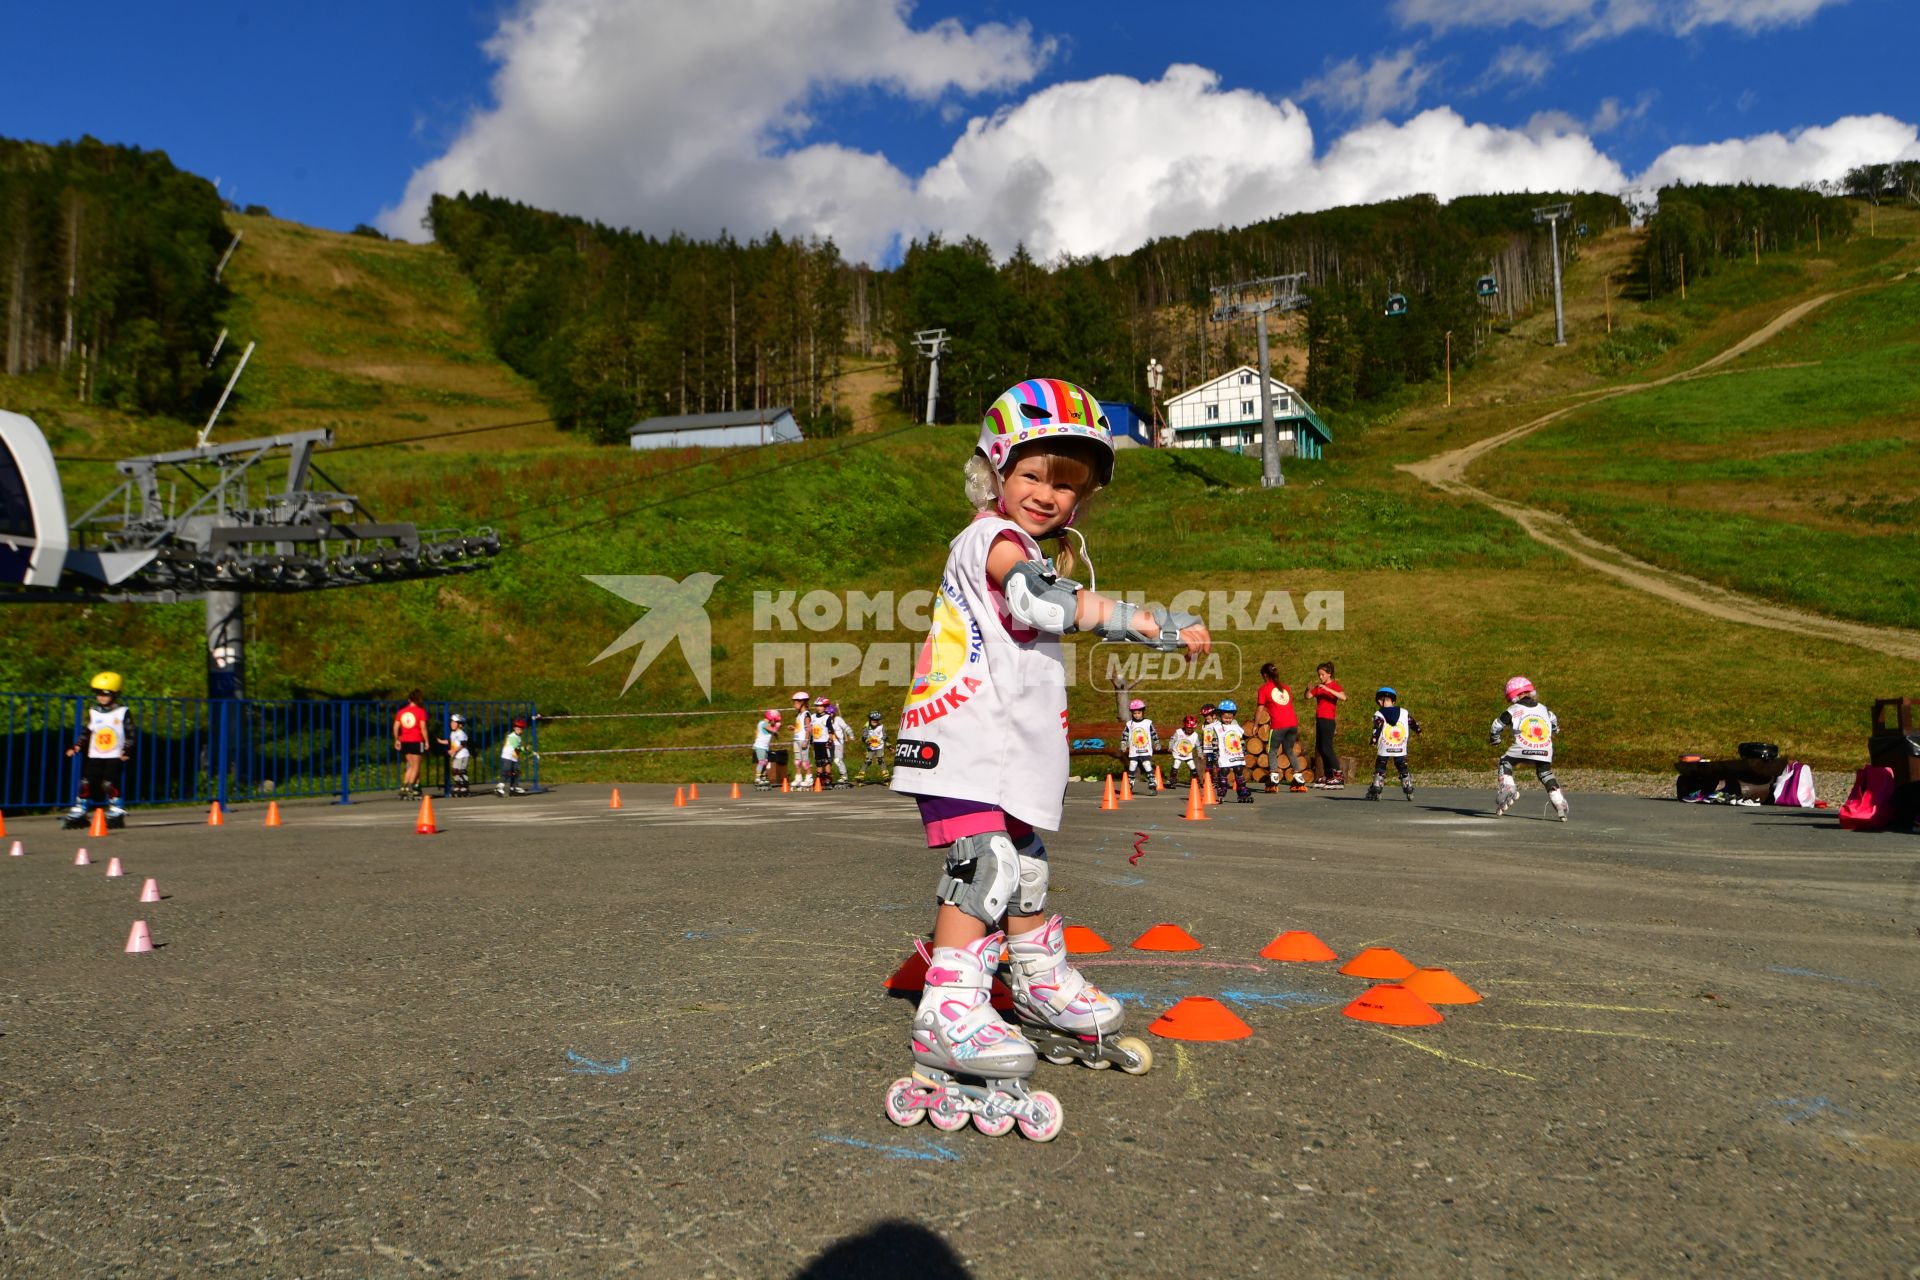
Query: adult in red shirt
x=1283 y=729
x=410 y=739
x=1327 y=696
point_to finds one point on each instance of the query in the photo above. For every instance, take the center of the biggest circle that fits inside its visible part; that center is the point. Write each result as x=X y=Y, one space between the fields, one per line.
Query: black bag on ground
x=1759 y=751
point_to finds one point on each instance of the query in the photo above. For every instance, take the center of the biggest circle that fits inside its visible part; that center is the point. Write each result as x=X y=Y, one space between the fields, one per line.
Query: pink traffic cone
x=138 y=938
x=81 y=859
x=113 y=868
x=19 y=851
x=150 y=891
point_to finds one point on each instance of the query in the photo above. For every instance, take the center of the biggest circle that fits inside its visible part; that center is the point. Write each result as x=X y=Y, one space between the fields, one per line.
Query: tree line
x=107 y=257
x=1698 y=228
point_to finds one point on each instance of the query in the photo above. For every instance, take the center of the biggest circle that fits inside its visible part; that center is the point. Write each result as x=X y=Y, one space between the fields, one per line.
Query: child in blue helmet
x=1393 y=726
x=1232 y=737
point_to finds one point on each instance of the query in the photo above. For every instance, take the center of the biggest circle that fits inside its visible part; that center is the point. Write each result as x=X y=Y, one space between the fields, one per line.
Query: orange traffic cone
x=273 y=813
x=1159 y=780
x=911 y=976
x=3 y=824
x=1200 y=1018
x=139 y=938
x=1082 y=941
x=1196 y=807
x=816 y=783
x=786 y=786
x=215 y=818
x=424 y=824
x=1438 y=986
x=735 y=793
x=1166 y=937
x=616 y=799
x=679 y=797
x=1106 y=797
x=693 y=792
x=1126 y=785
x=1299 y=947
x=1383 y=964
x=1207 y=792
x=97 y=829
x=1394 y=1005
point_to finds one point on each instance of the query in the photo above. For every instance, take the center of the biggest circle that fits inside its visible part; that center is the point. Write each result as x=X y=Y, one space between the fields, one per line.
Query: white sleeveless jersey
x=1233 y=745
x=1392 y=740
x=1533 y=730
x=106 y=733
x=876 y=737
x=763 y=735
x=986 y=715
x=1210 y=737
x=1139 y=737
x=1184 y=744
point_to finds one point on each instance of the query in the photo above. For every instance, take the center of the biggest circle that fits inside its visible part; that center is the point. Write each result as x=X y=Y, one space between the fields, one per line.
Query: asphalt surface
x=561 y=1040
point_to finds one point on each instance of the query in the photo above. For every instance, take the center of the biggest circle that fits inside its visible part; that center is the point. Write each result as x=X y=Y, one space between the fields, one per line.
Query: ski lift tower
x=931 y=343
x=1551 y=215
x=238 y=528
x=1256 y=298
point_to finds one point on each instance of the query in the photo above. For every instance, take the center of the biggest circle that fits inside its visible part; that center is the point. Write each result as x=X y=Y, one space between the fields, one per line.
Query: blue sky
x=1071 y=126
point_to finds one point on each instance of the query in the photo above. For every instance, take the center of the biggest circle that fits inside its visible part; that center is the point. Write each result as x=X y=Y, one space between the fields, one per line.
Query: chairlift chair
x=1487 y=287
x=1396 y=304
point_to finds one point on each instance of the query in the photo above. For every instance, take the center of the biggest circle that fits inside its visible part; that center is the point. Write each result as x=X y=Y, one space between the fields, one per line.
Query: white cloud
x=1590 y=20
x=1391 y=82
x=1815 y=154
x=1519 y=63
x=671 y=114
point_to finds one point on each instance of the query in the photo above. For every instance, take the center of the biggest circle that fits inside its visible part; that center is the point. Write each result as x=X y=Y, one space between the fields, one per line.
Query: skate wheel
x=1138 y=1050
x=900 y=1104
x=992 y=1128
x=1048 y=1129
x=1096 y=1064
x=1058 y=1059
x=946 y=1115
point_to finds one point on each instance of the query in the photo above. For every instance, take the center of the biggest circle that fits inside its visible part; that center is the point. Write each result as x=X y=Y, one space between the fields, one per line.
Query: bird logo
x=674 y=611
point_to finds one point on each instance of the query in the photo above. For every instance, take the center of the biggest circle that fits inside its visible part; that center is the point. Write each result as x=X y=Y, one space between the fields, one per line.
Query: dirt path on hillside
x=1448 y=471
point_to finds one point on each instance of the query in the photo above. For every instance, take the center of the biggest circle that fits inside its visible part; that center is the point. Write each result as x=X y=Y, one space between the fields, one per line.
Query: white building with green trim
x=1225 y=414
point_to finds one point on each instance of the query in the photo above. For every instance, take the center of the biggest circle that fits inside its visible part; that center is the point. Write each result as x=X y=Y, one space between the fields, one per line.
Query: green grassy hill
x=1443 y=598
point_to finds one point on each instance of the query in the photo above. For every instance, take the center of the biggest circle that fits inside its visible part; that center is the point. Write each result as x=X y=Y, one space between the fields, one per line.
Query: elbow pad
x=1038 y=597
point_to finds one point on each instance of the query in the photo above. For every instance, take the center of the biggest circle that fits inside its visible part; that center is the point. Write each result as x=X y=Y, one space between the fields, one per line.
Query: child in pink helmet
x=982 y=747
x=1534 y=728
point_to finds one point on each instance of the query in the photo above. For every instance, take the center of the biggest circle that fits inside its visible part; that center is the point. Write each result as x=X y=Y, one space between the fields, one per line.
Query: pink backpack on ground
x=1866 y=806
x=1794 y=787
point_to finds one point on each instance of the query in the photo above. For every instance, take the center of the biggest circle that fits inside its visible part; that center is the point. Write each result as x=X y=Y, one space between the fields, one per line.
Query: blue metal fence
x=197 y=750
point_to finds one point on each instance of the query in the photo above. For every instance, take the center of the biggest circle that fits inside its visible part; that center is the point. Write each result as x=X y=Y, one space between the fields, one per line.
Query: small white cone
x=113 y=868
x=150 y=891
x=138 y=938
x=18 y=850
x=81 y=859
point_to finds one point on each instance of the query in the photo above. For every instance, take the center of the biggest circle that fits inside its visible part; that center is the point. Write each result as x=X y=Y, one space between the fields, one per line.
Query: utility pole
x=1449 y=368
x=228 y=254
x=931 y=343
x=1156 y=378
x=1269 y=293
x=1551 y=215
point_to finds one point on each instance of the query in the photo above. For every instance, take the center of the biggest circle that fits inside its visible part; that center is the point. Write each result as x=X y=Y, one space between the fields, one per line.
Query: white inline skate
x=1066 y=1017
x=967 y=1062
x=1506 y=794
x=1557 y=804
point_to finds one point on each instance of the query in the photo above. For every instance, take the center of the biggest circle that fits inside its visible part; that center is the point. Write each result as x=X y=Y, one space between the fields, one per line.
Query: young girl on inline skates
x=983 y=747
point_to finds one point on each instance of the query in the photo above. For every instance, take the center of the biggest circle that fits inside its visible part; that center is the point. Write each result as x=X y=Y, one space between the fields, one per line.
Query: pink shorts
x=948 y=820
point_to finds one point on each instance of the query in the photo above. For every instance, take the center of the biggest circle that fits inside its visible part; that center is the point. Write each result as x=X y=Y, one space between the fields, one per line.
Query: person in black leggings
x=1327 y=763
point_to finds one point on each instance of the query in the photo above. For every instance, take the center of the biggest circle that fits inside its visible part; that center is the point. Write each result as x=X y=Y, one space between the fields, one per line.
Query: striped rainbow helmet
x=1039 y=408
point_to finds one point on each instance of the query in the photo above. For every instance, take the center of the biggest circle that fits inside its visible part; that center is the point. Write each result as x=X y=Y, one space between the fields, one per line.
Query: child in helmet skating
x=839 y=733
x=820 y=741
x=1142 y=742
x=875 y=740
x=1393 y=726
x=1210 y=742
x=1534 y=728
x=802 y=739
x=516 y=742
x=1184 y=749
x=982 y=748
x=459 y=757
x=108 y=742
x=763 y=735
x=1233 y=752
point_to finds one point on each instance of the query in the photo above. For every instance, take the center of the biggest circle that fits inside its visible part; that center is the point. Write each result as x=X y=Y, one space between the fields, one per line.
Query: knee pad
x=983 y=873
x=1032 y=895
